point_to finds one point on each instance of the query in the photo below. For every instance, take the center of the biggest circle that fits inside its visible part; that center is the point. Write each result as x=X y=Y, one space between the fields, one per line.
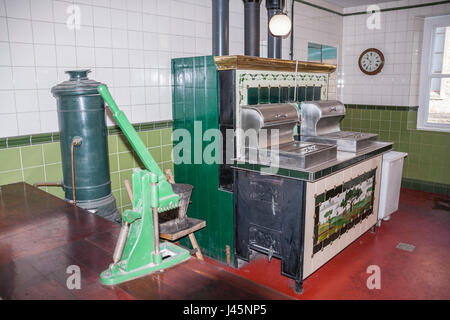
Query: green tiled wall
x=427 y=165
x=42 y=162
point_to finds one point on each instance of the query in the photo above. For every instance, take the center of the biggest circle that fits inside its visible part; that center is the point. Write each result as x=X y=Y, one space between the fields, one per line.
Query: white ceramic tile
x=120 y=58
x=119 y=39
x=102 y=17
x=3 y=30
x=41 y=10
x=85 y=57
x=29 y=123
x=7 y=102
x=46 y=100
x=134 y=21
x=63 y=35
x=43 y=32
x=24 y=77
x=8 y=125
x=102 y=37
x=103 y=57
x=66 y=56
x=46 y=77
x=26 y=100
x=45 y=55
x=119 y=19
x=18 y=8
x=84 y=36
x=49 y=121
x=5 y=57
x=19 y=30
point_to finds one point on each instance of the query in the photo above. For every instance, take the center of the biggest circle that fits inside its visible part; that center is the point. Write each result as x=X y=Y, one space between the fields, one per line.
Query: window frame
x=430 y=25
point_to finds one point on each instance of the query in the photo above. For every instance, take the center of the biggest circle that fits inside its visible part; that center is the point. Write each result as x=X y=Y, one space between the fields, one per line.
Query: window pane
x=439 y=107
x=441 y=51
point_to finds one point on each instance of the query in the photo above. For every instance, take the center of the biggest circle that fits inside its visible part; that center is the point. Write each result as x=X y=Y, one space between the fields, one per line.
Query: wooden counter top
x=41 y=235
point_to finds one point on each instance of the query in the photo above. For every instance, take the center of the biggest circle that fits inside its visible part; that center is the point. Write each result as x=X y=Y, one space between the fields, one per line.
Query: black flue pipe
x=273 y=43
x=251 y=27
x=220 y=27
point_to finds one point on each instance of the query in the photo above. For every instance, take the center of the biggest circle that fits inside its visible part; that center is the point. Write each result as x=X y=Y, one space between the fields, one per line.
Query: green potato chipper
x=138 y=251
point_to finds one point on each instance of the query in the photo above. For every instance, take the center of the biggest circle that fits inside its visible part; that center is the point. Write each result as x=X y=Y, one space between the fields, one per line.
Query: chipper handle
x=131 y=134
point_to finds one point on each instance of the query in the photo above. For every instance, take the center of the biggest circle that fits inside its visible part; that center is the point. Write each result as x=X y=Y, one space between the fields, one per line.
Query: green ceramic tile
x=115 y=182
x=19 y=141
x=284 y=94
x=156 y=153
x=154 y=138
x=166 y=153
x=143 y=135
x=274 y=95
x=113 y=163
x=10 y=159
x=56 y=191
x=126 y=161
x=166 y=136
x=32 y=156
x=53 y=172
x=252 y=96
x=123 y=144
x=33 y=175
x=112 y=144
x=52 y=152
x=263 y=95
x=10 y=177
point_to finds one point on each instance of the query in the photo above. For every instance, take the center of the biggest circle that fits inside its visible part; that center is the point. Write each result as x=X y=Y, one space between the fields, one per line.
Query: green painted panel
x=195 y=99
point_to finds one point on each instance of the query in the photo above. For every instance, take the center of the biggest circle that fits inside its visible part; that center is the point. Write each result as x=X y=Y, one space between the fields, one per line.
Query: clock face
x=371 y=61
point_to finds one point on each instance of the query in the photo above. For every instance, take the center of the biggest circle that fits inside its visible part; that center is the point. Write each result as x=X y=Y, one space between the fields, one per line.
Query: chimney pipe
x=251 y=27
x=220 y=27
x=273 y=43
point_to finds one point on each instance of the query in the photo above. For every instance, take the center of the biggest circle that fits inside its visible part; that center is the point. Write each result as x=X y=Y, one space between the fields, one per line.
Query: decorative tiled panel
x=263 y=95
x=271 y=82
x=318 y=251
x=426 y=167
x=338 y=210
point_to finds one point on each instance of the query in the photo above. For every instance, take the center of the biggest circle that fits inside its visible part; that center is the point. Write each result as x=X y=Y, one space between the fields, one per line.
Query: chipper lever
x=167 y=198
x=138 y=251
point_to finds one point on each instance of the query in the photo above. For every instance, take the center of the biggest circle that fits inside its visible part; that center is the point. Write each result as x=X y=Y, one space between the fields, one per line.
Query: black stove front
x=269 y=218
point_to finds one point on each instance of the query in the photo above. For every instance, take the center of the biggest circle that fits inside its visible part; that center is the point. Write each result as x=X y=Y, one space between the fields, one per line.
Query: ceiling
x=354 y=3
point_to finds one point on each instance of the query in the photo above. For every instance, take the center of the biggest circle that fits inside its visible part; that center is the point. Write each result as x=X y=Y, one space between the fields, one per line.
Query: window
x=322 y=53
x=434 y=90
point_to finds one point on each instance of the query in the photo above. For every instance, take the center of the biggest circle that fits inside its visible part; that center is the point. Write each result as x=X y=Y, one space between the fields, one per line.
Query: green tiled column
x=195 y=98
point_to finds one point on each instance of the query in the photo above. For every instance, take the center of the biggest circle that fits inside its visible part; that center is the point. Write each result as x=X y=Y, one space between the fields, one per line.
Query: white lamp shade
x=280 y=25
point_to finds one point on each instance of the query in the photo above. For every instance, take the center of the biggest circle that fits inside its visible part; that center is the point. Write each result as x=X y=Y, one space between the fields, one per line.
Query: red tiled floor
x=421 y=274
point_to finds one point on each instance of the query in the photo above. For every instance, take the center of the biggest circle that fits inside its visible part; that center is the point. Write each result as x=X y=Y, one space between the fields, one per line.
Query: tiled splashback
x=426 y=167
x=32 y=161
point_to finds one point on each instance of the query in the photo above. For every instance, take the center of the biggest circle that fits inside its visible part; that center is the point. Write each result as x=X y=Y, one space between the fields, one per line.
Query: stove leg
x=373 y=229
x=298 y=288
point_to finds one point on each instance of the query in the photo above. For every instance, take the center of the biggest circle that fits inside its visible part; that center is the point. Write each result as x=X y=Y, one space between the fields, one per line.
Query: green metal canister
x=81 y=114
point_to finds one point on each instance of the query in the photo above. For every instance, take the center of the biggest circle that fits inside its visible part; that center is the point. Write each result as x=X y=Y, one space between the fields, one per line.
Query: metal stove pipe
x=273 y=43
x=220 y=27
x=251 y=27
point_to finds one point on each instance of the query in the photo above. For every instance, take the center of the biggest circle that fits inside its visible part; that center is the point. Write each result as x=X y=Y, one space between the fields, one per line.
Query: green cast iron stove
x=138 y=251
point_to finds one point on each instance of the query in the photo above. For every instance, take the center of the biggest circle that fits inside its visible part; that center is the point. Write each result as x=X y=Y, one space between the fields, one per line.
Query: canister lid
x=78 y=84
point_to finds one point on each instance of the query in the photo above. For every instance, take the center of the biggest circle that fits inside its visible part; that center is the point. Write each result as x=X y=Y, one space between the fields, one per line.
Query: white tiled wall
x=400 y=40
x=128 y=44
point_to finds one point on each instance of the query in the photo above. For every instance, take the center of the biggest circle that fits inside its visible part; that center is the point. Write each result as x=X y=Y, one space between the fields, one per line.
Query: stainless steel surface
x=256 y=118
x=259 y=147
x=342 y=158
x=321 y=123
x=294 y=154
x=321 y=117
x=345 y=140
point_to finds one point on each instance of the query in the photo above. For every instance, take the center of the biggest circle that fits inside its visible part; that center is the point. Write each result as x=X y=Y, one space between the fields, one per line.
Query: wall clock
x=371 y=61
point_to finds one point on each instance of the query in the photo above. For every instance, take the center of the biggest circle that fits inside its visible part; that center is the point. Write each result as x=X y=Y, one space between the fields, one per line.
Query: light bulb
x=280 y=25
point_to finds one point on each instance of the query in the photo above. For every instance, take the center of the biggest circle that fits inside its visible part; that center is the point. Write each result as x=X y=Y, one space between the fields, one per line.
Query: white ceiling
x=354 y=3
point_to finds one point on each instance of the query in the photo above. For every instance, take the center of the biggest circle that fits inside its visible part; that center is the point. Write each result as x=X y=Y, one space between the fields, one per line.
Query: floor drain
x=406 y=247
